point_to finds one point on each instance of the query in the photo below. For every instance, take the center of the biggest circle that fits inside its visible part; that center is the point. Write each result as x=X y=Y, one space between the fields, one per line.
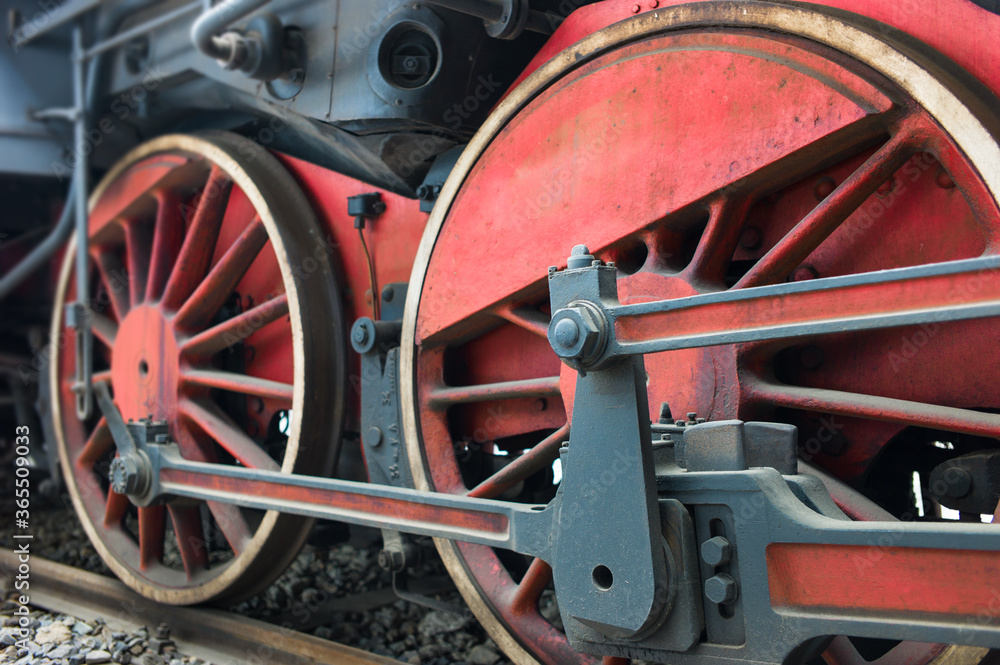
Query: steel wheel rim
x=804 y=22
x=276 y=538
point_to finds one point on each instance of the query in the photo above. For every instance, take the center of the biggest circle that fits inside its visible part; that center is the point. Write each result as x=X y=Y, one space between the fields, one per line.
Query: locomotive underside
x=681 y=314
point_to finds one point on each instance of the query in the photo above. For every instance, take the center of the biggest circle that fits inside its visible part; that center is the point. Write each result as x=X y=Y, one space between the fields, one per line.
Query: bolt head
x=580 y=257
x=567 y=332
x=721 y=589
x=824 y=187
x=958 y=482
x=943 y=179
x=750 y=238
x=574 y=332
x=124 y=474
x=804 y=273
x=374 y=437
x=716 y=551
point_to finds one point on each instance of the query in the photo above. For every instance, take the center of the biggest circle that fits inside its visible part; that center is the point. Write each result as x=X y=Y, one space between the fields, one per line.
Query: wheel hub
x=144 y=365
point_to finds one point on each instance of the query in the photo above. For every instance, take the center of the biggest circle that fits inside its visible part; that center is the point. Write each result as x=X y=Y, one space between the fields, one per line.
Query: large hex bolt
x=716 y=551
x=128 y=475
x=576 y=332
x=721 y=589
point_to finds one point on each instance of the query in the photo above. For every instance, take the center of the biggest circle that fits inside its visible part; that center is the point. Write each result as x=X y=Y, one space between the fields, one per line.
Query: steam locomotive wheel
x=214 y=312
x=701 y=148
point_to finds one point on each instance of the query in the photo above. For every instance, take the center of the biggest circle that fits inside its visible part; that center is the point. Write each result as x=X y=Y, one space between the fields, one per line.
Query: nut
x=721 y=589
x=576 y=332
x=716 y=551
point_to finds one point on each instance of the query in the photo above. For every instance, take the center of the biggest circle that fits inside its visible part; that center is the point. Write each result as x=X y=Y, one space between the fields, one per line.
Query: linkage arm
x=950 y=291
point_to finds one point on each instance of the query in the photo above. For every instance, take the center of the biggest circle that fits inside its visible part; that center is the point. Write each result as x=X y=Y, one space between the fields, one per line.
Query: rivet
x=750 y=238
x=636 y=9
x=824 y=187
x=803 y=273
x=943 y=179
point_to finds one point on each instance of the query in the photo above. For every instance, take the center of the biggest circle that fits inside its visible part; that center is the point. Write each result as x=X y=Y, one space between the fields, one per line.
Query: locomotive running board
x=784 y=569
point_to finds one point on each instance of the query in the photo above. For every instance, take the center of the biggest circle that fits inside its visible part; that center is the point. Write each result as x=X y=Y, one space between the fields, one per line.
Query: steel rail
x=213 y=635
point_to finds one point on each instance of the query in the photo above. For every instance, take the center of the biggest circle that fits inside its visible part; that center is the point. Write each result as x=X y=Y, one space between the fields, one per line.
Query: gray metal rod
x=484 y=9
x=523 y=528
x=84 y=337
x=978 y=303
x=204 y=32
x=44 y=251
x=139 y=30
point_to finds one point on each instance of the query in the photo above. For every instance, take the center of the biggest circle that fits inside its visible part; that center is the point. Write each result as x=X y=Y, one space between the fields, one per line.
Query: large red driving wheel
x=701 y=148
x=215 y=310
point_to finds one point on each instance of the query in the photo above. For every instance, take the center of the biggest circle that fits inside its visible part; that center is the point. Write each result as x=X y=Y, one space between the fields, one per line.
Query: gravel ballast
x=335 y=592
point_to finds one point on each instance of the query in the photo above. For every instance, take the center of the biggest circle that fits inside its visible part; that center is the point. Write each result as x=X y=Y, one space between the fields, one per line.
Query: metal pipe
x=40 y=254
x=204 y=32
x=484 y=9
x=142 y=29
x=81 y=321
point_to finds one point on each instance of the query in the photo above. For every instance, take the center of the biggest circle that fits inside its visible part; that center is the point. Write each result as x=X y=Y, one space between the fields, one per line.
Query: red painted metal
x=920 y=20
x=889 y=298
x=402 y=512
x=172 y=240
x=687 y=159
x=875 y=581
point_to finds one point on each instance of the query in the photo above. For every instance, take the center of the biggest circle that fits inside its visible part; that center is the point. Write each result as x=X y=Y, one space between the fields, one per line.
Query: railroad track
x=212 y=635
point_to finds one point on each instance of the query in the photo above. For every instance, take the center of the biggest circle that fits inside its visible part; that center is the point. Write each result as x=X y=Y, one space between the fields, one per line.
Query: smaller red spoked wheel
x=215 y=310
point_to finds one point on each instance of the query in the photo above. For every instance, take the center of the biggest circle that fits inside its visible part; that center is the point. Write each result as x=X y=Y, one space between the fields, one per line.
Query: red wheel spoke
x=233 y=525
x=190 y=538
x=199 y=245
x=718 y=242
x=544 y=387
x=236 y=329
x=103 y=376
x=137 y=243
x=105 y=330
x=241 y=383
x=114 y=509
x=836 y=402
x=167 y=238
x=100 y=442
x=842 y=652
x=218 y=426
x=807 y=235
x=531 y=462
x=528 y=318
x=115 y=280
x=151 y=524
x=537 y=577
x=209 y=296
